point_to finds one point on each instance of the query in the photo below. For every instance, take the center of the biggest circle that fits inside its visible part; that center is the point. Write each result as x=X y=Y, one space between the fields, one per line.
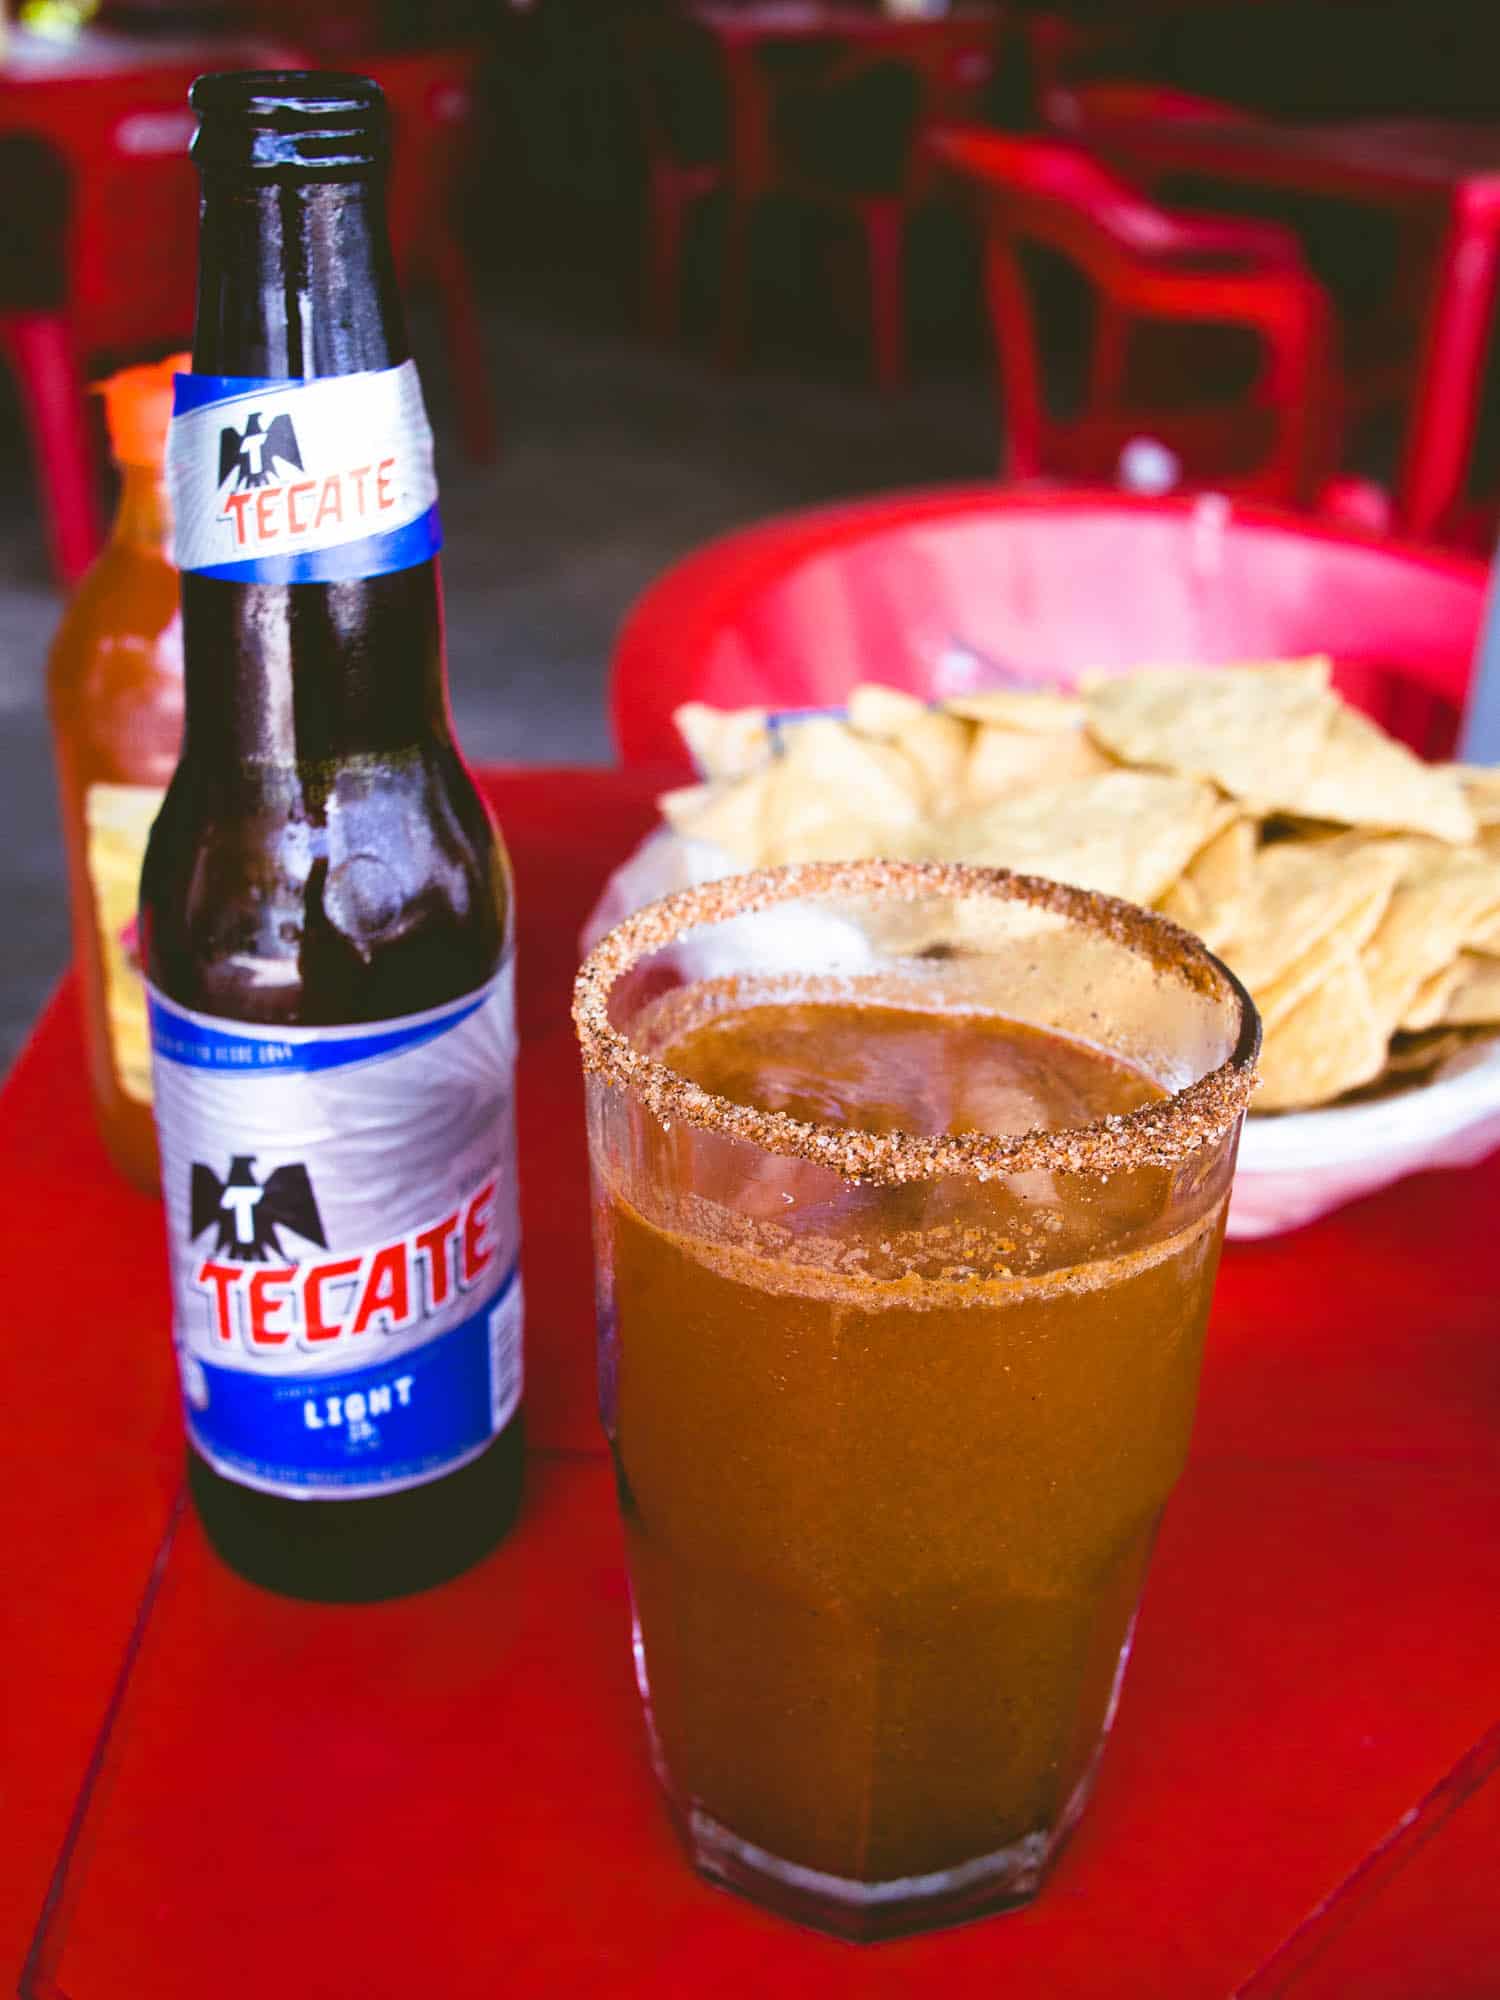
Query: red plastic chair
x=951 y=66
x=680 y=96
x=130 y=258
x=433 y=101
x=1378 y=349
x=708 y=117
x=1061 y=45
x=946 y=591
x=1080 y=109
x=39 y=351
x=128 y=264
x=36 y=345
x=1154 y=268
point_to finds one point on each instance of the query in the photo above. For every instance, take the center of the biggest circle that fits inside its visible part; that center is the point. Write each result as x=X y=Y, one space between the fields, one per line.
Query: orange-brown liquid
x=887 y=1534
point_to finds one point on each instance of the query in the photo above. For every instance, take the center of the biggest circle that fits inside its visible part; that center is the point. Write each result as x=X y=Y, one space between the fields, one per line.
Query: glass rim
x=1164 y=1133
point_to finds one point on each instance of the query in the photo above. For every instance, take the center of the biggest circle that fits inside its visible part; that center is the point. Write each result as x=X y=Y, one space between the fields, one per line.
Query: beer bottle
x=326 y=913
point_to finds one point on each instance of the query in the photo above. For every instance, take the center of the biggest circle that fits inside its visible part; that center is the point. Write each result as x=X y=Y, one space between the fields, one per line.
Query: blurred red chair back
x=1149 y=267
x=133 y=251
x=120 y=273
x=1081 y=108
x=865 y=118
x=947 y=591
x=679 y=91
x=130 y=254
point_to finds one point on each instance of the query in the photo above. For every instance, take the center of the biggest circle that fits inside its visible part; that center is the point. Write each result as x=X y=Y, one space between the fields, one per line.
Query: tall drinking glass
x=897 y=1353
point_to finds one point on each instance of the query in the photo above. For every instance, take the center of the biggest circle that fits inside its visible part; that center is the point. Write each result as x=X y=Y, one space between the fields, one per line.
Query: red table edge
x=1278 y=1975
x=34 y=1982
x=1364 y=1883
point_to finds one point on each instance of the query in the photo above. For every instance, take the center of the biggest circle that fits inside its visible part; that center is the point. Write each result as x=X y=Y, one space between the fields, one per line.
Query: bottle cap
x=138 y=408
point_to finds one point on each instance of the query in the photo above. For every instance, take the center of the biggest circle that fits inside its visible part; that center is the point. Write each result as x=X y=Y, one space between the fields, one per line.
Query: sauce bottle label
x=302 y=481
x=117 y=823
x=342 y=1222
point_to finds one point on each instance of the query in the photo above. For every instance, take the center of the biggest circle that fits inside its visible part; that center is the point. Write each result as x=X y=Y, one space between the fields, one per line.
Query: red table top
x=213 y=1791
x=1377 y=159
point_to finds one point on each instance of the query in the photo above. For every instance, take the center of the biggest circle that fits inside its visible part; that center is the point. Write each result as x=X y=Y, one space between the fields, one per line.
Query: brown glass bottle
x=322 y=858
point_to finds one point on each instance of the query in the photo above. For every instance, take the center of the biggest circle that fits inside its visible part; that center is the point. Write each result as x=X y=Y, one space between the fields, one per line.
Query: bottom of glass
x=864 y=1912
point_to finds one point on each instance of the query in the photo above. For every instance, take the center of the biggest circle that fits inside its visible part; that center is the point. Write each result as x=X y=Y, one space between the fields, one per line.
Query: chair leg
x=454 y=277
x=1298 y=384
x=1018 y=373
x=662 y=292
x=1106 y=386
x=885 y=247
x=40 y=349
x=734 y=280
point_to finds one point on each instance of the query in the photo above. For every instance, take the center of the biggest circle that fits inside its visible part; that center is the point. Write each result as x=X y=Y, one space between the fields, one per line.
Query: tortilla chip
x=1221 y=870
x=1444 y=898
x=1255 y=731
x=1184 y=905
x=825 y=757
x=1356 y=925
x=1332 y=1041
x=883 y=712
x=723 y=742
x=1220 y=876
x=1002 y=762
x=728 y=816
x=1301 y=892
x=1366 y=778
x=938 y=746
x=1426 y=1008
x=833 y=795
x=844 y=837
x=1128 y=833
x=1041 y=711
x=1474 y=1000
x=1279 y=739
x=1481 y=784
x=684 y=804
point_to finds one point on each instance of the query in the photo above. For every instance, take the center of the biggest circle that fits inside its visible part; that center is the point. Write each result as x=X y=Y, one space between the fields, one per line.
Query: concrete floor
x=617 y=459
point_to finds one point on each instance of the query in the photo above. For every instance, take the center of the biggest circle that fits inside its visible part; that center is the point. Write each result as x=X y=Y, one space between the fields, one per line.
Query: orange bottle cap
x=138 y=408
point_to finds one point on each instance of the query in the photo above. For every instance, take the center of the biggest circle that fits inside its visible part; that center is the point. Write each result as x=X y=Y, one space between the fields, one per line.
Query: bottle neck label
x=302 y=481
x=343 y=1236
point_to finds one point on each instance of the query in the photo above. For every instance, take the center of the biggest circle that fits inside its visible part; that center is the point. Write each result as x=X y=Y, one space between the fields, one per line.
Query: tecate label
x=342 y=1225
x=302 y=482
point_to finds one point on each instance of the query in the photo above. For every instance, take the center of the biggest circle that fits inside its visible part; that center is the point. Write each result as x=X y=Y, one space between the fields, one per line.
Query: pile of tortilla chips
x=1354 y=888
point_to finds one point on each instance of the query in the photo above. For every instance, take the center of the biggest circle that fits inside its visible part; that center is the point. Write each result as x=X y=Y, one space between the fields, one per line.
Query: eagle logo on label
x=250 y=454
x=247 y=1213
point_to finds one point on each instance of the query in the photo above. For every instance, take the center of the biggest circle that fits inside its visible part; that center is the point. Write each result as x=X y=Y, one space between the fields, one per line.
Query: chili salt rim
x=1161 y=1134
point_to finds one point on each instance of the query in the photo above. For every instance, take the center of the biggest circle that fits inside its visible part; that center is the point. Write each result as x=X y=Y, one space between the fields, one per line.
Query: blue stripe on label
x=176 y=1037
x=196 y=392
x=400 y=1420
x=372 y=555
